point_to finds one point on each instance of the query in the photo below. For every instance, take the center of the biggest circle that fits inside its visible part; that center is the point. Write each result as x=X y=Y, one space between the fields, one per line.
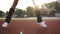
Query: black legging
x=8 y=17
x=39 y=19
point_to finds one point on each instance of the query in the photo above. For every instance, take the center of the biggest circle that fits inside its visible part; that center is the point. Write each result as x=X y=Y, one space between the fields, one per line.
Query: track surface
x=29 y=26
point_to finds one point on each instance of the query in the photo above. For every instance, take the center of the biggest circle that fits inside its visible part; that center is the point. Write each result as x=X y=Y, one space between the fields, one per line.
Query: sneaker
x=5 y=24
x=42 y=24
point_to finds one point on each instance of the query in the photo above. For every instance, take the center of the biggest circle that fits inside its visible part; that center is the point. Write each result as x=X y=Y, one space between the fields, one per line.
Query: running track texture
x=29 y=26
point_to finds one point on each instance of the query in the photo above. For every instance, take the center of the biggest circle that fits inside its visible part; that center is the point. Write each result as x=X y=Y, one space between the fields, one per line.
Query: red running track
x=28 y=26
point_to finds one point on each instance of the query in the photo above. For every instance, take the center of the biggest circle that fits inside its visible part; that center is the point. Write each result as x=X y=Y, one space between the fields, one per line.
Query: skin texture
x=15 y=4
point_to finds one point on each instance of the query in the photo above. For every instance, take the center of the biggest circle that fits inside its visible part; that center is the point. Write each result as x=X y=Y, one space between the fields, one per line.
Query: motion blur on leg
x=39 y=19
x=8 y=17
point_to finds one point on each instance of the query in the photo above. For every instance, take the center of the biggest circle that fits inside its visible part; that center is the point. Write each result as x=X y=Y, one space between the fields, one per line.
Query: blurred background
x=25 y=8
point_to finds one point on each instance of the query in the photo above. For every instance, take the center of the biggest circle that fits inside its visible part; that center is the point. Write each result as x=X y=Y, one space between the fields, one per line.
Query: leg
x=39 y=19
x=8 y=17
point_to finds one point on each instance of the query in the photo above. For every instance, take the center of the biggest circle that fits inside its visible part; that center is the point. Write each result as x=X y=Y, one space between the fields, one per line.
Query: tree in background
x=30 y=11
x=57 y=7
x=19 y=13
x=2 y=14
x=53 y=7
x=43 y=12
x=7 y=13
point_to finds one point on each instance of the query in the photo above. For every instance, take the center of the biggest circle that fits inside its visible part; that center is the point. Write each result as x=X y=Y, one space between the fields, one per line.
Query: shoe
x=5 y=24
x=42 y=24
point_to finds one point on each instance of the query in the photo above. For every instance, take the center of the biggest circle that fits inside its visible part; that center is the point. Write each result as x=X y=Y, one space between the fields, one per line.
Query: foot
x=42 y=24
x=5 y=24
